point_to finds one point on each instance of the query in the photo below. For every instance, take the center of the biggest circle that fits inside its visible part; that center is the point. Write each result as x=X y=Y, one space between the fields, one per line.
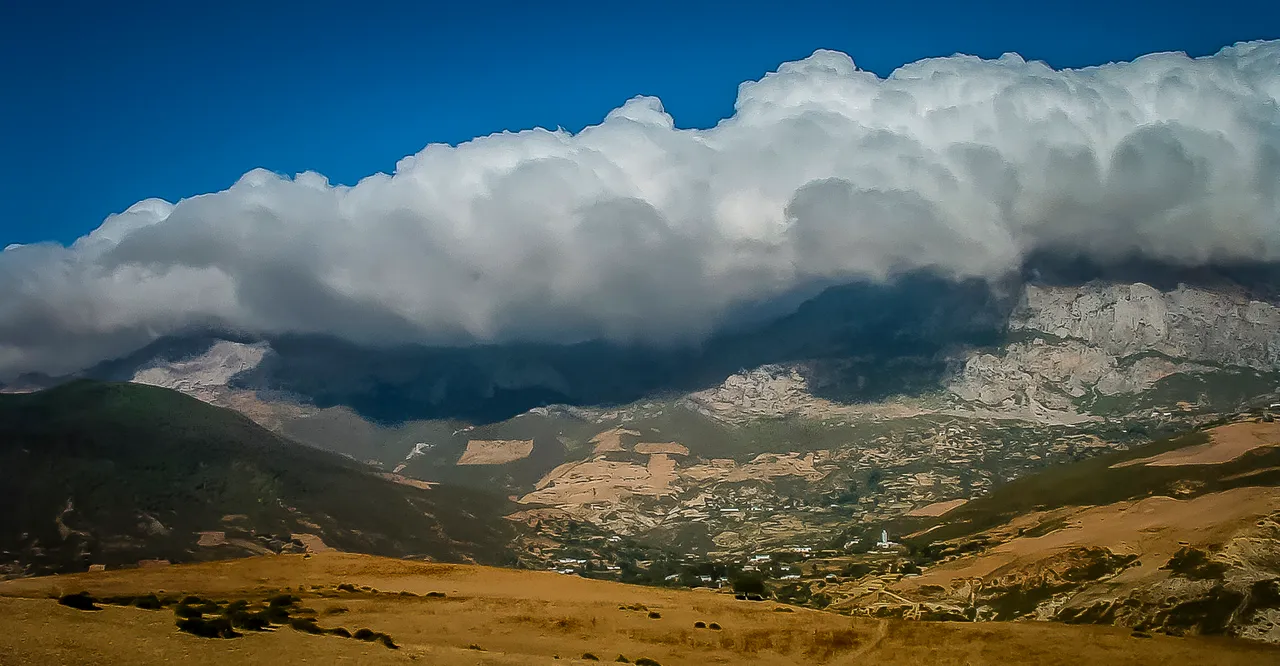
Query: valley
x=772 y=457
x=921 y=505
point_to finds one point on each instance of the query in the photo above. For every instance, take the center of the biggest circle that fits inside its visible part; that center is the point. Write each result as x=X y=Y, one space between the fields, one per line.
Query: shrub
x=748 y=584
x=275 y=614
x=645 y=661
x=347 y=587
x=364 y=634
x=473 y=646
x=79 y=601
x=783 y=609
x=340 y=631
x=699 y=625
x=306 y=625
x=186 y=611
x=242 y=619
x=283 y=600
x=590 y=657
x=856 y=570
x=149 y=602
x=1195 y=564
x=218 y=627
x=435 y=594
x=653 y=615
x=195 y=609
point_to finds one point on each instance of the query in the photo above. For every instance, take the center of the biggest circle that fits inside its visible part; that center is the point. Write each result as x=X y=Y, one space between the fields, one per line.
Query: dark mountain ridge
x=98 y=473
x=873 y=339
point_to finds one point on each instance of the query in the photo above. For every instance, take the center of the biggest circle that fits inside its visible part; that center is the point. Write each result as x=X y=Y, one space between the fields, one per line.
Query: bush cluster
x=215 y=627
x=376 y=637
x=79 y=601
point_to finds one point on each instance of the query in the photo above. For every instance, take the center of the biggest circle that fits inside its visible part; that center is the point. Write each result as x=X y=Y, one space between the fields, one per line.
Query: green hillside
x=111 y=473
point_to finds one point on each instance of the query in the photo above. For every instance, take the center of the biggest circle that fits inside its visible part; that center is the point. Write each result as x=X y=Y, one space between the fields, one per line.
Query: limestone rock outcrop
x=1117 y=339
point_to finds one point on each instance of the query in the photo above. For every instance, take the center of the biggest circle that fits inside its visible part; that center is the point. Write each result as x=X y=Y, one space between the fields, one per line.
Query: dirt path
x=882 y=630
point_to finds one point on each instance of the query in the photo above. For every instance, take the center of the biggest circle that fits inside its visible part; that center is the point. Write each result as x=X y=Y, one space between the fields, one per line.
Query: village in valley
x=800 y=520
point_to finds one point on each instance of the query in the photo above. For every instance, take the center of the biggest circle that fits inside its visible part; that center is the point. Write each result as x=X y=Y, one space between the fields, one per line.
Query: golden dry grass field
x=497 y=616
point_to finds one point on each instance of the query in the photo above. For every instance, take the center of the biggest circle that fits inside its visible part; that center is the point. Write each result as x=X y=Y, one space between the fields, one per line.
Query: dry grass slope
x=495 y=452
x=505 y=617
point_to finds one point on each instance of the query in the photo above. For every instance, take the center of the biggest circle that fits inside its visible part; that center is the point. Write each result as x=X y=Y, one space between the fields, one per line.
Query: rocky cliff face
x=1067 y=350
x=1111 y=340
x=1127 y=320
x=206 y=375
x=1067 y=347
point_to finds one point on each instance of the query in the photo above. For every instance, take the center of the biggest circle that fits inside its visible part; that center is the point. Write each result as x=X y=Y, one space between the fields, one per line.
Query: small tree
x=748 y=584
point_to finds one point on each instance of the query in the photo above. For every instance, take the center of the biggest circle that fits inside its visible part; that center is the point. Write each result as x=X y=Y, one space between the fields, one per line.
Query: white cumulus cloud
x=636 y=231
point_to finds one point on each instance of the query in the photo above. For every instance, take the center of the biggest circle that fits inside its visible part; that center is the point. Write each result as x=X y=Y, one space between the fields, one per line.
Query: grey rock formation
x=1116 y=339
x=207 y=374
x=1186 y=323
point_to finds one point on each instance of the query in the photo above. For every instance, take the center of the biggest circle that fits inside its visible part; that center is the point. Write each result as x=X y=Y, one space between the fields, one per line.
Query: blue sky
x=110 y=104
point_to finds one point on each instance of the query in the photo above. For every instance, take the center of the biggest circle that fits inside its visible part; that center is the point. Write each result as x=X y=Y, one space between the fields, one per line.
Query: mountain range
x=991 y=426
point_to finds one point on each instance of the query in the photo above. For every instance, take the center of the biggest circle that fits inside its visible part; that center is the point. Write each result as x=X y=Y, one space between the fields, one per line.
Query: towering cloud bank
x=633 y=230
